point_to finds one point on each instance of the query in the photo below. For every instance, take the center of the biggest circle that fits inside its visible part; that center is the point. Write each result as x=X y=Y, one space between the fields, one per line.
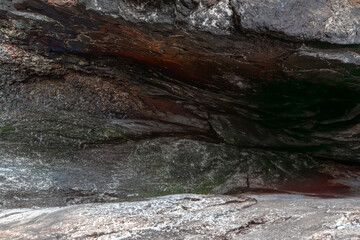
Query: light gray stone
x=191 y=217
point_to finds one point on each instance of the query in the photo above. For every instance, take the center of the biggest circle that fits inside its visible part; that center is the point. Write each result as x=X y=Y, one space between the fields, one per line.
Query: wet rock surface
x=48 y=176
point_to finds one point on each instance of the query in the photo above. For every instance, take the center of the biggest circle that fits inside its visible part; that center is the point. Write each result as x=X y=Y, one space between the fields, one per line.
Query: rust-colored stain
x=14 y=51
x=175 y=52
x=128 y=42
x=177 y=56
x=321 y=185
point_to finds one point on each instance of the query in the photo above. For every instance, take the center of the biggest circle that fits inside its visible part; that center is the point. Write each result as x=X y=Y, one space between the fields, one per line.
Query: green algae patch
x=7 y=128
x=209 y=185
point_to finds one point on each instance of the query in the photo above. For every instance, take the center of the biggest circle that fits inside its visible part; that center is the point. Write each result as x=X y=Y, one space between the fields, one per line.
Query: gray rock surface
x=119 y=100
x=211 y=16
x=72 y=77
x=334 y=21
x=63 y=175
x=191 y=217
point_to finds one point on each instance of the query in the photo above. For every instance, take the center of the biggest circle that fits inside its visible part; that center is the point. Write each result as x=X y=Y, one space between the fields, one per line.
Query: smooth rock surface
x=191 y=217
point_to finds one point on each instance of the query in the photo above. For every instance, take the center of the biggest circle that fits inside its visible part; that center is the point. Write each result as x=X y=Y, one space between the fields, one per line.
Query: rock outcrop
x=103 y=102
x=190 y=217
x=182 y=96
x=327 y=21
x=335 y=21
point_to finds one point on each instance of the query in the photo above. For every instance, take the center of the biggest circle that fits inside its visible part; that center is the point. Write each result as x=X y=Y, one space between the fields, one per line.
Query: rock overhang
x=76 y=75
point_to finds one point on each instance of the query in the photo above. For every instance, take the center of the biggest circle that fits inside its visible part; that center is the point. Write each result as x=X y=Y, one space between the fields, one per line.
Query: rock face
x=190 y=217
x=82 y=75
x=327 y=21
x=121 y=100
x=106 y=101
x=335 y=21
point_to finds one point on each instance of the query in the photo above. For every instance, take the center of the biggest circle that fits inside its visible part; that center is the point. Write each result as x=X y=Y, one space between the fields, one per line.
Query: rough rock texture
x=190 y=217
x=120 y=100
x=334 y=21
x=35 y=176
x=81 y=75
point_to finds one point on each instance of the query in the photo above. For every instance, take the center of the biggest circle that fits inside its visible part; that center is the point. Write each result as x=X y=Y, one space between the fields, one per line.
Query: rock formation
x=190 y=217
x=113 y=100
